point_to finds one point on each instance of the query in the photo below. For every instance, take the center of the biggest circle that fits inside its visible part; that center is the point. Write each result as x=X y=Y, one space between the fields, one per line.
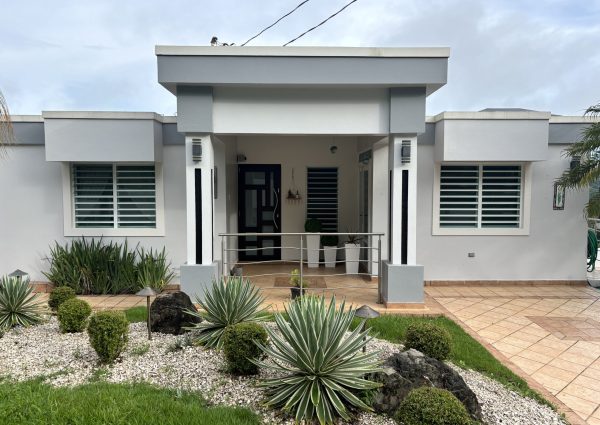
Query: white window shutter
x=93 y=195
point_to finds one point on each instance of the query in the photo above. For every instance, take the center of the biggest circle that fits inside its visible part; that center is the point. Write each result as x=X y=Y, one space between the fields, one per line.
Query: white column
x=397 y=166
x=206 y=165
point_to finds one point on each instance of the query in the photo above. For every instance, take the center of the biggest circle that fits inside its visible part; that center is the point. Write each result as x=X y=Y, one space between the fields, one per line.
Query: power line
x=277 y=21
x=319 y=24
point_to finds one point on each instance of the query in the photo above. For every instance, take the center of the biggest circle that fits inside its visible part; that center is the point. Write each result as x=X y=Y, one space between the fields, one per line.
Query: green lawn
x=466 y=351
x=136 y=314
x=34 y=403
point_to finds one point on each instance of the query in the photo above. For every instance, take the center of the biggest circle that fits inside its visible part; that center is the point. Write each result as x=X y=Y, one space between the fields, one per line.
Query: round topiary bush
x=432 y=406
x=108 y=332
x=429 y=339
x=73 y=314
x=59 y=295
x=239 y=347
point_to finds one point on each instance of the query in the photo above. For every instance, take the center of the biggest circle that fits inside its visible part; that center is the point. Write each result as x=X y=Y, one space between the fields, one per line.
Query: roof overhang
x=302 y=66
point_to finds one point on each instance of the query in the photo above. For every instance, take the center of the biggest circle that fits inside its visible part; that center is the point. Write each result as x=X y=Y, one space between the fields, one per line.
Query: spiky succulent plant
x=18 y=306
x=229 y=301
x=320 y=366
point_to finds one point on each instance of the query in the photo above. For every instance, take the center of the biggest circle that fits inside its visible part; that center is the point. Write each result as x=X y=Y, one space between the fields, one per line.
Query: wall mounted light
x=333 y=149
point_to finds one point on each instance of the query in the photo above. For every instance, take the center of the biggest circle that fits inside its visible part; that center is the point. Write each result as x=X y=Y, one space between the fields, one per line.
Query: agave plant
x=321 y=367
x=18 y=306
x=230 y=300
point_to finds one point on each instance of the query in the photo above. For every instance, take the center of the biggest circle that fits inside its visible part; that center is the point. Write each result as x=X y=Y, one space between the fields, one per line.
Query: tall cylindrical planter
x=330 y=254
x=312 y=250
x=352 y=256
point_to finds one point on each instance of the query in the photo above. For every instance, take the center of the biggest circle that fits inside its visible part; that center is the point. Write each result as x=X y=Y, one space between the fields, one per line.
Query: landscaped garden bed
x=58 y=365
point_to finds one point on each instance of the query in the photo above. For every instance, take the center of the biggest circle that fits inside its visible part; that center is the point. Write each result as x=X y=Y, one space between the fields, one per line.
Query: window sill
x=107 y=232
x=479 y=232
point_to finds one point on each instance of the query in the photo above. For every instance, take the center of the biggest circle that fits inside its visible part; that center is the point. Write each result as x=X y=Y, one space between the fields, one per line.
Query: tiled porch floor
x=549 y=332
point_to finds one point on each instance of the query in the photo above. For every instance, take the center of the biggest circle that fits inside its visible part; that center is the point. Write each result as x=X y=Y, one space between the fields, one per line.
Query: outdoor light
x=19 y=274
x=147 y=292
x=333 y=149
x=366 y=312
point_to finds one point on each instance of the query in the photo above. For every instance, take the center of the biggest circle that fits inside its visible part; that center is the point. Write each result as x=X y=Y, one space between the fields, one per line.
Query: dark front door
x=259 y=211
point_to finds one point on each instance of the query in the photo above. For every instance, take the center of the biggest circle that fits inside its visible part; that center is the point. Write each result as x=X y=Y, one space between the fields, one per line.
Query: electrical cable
x=277 y=21
x=319 y=24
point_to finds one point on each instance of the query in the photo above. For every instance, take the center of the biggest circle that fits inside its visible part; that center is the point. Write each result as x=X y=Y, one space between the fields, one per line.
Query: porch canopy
x=302 y=91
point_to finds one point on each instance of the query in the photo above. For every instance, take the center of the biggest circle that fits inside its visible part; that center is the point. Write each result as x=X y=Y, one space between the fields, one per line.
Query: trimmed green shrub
x=229 y=301
x=108 y=332
x=312 y=225
x=19 y=306
x=429 y=339
x=60 y=295
x=239 y=347
x=73 y=314
x=432 y=406
x=329 y=240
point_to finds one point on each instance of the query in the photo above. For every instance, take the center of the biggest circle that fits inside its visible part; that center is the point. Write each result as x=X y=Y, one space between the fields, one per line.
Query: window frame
x=337 y=203
x=69 y=213
x=523 y=230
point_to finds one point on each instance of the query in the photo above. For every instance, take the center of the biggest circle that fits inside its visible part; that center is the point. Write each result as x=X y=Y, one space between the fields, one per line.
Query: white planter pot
x=330 y=255
x=352 y=256
x=312 y=250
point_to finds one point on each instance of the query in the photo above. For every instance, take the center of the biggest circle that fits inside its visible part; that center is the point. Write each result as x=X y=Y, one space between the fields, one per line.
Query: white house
x=460 y=196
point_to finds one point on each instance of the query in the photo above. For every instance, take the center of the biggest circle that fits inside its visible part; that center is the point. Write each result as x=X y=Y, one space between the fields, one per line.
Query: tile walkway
x=549 y=332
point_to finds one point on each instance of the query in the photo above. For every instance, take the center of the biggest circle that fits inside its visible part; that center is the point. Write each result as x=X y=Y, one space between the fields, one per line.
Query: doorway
x=259 y=211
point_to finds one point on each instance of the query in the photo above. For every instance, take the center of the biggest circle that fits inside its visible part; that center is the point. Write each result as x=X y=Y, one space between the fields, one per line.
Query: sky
x=99 y=55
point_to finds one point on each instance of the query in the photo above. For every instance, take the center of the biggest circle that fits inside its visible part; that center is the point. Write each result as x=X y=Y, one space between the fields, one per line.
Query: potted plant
x=330 y=245
x=312 y=225
x=352 y=250
x=295 y=284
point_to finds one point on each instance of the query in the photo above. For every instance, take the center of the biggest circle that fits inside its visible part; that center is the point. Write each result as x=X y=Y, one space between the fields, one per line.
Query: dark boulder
x=167 y=313
x=411 y=369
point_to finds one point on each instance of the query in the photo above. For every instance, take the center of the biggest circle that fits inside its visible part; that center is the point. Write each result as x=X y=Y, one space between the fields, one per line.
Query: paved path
x=552 y=333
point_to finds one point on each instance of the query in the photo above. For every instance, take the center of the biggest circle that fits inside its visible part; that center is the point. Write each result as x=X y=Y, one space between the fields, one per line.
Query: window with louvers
x=114 y=196
x=322 y=197
x=480 y=196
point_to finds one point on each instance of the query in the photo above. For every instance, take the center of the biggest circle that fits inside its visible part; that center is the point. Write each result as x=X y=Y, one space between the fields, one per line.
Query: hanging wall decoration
x=558 y=202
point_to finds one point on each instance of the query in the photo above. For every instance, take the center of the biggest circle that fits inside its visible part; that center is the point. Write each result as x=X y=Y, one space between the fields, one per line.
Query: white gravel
x=68 y=360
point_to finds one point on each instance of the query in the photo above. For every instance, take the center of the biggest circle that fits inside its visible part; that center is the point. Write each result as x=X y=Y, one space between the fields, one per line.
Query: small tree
x=586 y=171
x=6 y=130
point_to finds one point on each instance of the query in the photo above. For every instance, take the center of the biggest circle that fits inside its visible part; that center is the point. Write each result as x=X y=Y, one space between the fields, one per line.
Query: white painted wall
x=555 y=248
x=246 y=110
x=31 y=216
x=298 y=153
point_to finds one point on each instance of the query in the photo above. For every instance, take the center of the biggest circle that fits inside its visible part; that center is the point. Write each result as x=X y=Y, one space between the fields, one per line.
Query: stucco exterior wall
x=555 y=248
x=31 y=215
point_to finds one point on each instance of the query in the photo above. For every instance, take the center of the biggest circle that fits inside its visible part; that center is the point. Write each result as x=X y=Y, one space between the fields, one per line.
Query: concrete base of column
x=402 y=285
x=196 y=278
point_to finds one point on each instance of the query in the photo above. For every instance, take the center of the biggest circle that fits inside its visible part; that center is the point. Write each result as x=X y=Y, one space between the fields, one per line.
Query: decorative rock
x=167 y=313
x=411 y=369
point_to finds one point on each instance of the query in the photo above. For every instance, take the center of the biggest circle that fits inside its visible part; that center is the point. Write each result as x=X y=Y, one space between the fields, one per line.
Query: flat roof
x=304 y=51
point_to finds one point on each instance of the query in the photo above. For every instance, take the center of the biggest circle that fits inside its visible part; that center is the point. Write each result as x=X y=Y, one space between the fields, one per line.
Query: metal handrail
x=302 y=275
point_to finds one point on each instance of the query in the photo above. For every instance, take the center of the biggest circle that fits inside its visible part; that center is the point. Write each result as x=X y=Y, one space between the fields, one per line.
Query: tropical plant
x=18 y=305
x=108 y=332
x=6 y=129
x=240 y=348
x=60 y=295
x=153 y=269
x=432 y=406
x=329 y=240
x=228 y=301
x=585 y=169
x=430 y=339
x=312 y=225
x=295 y=279
x=321 y=368
x=73 y=315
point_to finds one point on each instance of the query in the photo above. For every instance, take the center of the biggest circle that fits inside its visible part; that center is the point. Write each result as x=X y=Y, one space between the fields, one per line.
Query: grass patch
x=466 y=352
x=136 y=314
x=35 y=403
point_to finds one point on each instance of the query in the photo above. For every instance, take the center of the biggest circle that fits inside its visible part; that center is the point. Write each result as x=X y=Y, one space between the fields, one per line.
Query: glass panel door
x=259 y=211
